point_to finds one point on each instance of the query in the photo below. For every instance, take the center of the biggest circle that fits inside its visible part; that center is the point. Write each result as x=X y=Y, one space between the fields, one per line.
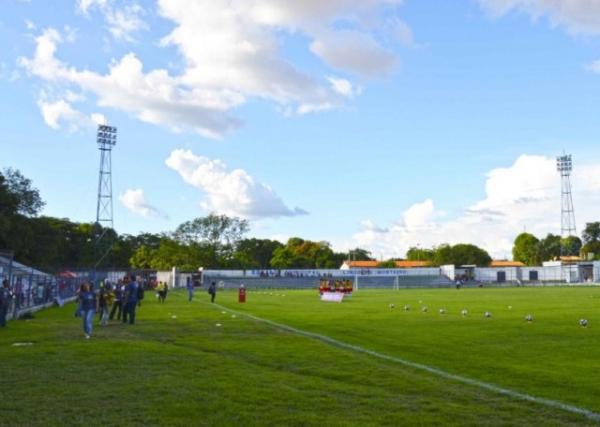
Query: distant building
x=503 y=263
x=347 y=265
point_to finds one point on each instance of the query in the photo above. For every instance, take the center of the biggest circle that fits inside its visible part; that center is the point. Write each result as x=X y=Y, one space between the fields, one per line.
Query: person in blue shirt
x=117 y=306
x=190 y=288
x=88 y=305
x=5 y=299
x=131 y=300
x=212 y=291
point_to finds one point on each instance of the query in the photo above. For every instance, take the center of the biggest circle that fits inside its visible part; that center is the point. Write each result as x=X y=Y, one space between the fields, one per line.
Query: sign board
x=332 y=296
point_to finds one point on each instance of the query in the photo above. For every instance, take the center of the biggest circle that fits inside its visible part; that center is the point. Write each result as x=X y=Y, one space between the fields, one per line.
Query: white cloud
x=231 y=51
x=154 y=97
x=343 y=87
x=121 y=21
x=135 y=201
x=525 y=195
x=594 y=66
x=231 y=192
x=353 y=51
x=85 y=5
x=577 y=16
x=59 y=114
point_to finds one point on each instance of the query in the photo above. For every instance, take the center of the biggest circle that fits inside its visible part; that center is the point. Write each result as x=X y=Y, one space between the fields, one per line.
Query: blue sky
x=392 y=124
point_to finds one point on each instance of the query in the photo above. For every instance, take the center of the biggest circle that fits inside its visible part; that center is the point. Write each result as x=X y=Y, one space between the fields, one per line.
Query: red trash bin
x=242 y=294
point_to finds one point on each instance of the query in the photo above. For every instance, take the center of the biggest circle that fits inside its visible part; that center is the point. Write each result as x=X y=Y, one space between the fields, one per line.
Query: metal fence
x=358 y=282
x=33 y=289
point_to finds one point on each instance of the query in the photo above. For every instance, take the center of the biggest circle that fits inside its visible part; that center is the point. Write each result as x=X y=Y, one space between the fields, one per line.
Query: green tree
x=358 y=254
x=526 y=250
x=26 y=199
x=419 y=254
x=571 y=245
x=256 y=253
x=390 y=263
x=460 y=254
x=591 y=232
x=549 y=247
x=300 y=253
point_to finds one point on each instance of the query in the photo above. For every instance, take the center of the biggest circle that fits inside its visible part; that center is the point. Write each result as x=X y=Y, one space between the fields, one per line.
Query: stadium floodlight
x=564 y=164
x=106 y=137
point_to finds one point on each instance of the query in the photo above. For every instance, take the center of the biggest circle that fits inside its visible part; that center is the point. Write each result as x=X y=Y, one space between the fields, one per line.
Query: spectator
x=190 y=289
x=118 y=301
x=212 y=290
x=107 y=297
x=88 y=304
x=140 y=294
x=130 y=301
x=5 y=298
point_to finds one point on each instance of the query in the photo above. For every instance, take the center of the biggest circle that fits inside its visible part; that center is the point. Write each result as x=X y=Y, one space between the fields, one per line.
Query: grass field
x=189 y=371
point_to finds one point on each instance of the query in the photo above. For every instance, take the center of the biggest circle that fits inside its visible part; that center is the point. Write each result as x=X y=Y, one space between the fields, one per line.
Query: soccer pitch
x=285 y=358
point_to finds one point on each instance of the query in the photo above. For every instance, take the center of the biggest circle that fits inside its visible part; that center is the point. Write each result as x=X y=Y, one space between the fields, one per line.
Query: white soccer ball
x=392 y=306
x=464 y=312
x=487 y=314
x=529 y=318
x=510 y=307
x=218 y=325
x=424 y=309
x=442 y=311
x=583 y=322
x=407 y=308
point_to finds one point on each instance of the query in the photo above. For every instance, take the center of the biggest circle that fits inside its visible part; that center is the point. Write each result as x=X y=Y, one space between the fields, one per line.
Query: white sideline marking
x=432 y=370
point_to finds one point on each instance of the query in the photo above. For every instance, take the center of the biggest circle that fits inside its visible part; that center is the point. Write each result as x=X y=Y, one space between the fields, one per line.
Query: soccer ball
x=442 y=311
x=464 y=312
x=406 y=307
x=424 y=309
x=487 y=314
x=583 y=322
x=510 y=307
x=529 y=318
x=392 y=306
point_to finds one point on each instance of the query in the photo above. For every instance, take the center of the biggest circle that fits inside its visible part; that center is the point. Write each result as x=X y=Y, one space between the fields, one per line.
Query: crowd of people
x=111 y=301
x=343 y=286
x=118 y=300
x=121 y=300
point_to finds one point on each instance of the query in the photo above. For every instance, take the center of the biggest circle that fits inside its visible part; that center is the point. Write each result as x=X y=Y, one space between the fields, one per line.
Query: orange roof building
x=504 y=263
x=374 y=264
x=360 y=264
x=412 y=264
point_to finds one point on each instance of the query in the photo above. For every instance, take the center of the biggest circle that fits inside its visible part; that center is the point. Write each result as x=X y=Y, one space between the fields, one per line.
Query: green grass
x=187 y=371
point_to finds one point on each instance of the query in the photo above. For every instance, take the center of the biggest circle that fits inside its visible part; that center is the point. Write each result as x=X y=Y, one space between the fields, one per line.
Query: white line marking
x=432 y=370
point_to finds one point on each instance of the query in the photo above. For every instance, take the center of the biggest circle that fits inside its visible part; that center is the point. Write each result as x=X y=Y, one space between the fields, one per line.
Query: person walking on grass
x=88 y=305
x=107 y=297
x=117 y=306
x=140 y=293
x=190 y=289
x=131 y=293
x=5 y=299
x=212 y=290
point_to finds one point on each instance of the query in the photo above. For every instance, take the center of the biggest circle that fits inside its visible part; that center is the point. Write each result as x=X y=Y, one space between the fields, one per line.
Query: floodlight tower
x=564 y=165
x=106 y=138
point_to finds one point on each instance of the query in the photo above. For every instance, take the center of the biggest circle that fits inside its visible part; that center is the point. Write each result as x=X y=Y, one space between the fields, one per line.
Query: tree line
x=215 y=242
x=532 y=250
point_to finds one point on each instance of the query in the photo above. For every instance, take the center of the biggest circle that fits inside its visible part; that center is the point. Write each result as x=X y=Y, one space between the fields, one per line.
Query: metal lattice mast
x=564 y=165
x=106 y=138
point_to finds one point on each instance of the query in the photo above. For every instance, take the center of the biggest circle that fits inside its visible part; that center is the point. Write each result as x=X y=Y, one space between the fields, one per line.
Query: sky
x=382 y=124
